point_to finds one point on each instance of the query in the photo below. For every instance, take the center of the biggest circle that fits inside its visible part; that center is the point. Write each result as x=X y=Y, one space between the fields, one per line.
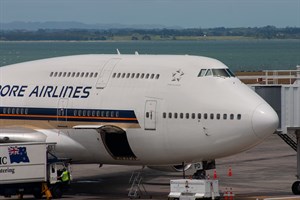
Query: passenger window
x=152 y=76
x=77 y=75
x=107 y=114
x=79 y=112
x=199 y=115
x=123 y=75
x=51 y=74
x=55 y=74
x=82 y=74
x=96 y=74
x=193 y=115
x=69 y=74
x=157 y=76
x=8 y=110
x=88 y=113
x=112 y=114
x=119 y=74
x=102 y=113
x=224 y=116
x=202 y=72
x=114 y=75
x=218 y=116
x=137 y=75
x=86 y=74
x=60 y=73
x=142 y=75
x=128 y=75
x=170 y=115
x=93 y=113
x=164 y=115
x=17 y=110
x=239 y=116
x=181 y=115
x=98 y=113
x=65 y=73
x=175 y=115
x=73 y=74
x=91 y=74
x=147 y=76
x=84 y=113
x=231 y=116
x=205 y=115
x=117 y=114
x=132 y=75
x=187 y=115
x=211 y=116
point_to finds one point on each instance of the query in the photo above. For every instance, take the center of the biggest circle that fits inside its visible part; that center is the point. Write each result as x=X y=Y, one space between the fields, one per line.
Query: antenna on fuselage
x=118 y=52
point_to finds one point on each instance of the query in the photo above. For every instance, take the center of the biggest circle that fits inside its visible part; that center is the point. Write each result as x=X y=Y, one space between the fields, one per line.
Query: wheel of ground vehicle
x=296 y=187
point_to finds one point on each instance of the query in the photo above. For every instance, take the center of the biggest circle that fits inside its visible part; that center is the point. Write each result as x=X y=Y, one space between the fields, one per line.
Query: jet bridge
x=281 y=89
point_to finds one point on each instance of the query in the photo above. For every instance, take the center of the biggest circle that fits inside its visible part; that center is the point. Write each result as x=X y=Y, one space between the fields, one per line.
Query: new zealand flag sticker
x=18 y=154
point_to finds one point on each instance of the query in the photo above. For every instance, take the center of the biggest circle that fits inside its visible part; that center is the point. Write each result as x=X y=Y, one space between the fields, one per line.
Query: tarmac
x=267 y=171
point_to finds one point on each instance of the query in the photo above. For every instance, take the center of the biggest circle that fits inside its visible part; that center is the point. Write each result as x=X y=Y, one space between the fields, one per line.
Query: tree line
x=267 y=32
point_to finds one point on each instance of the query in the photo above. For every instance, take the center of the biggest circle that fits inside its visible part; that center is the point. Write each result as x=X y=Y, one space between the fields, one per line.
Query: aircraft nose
x=264 y=121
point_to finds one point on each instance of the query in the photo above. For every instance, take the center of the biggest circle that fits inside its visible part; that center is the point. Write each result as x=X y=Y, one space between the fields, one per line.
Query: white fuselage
x=133 y=109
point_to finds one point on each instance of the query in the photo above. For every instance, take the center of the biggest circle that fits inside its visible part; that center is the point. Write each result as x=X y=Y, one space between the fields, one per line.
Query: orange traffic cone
x=229 y=171
x=215 y=174
x=226 y=194
x=231 y=194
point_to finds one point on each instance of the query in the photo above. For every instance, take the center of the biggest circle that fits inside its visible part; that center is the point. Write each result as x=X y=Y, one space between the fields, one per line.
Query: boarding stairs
x=136 y=185
x=290 y=139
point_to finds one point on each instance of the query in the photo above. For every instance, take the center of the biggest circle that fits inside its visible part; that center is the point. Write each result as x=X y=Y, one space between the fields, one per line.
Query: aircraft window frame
x=230 y=72
x=208 y=72
x=202 y=72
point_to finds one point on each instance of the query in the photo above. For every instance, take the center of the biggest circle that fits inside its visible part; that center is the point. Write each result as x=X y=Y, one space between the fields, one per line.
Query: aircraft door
x=62 y=112
x=150 y=115
x=106 y=73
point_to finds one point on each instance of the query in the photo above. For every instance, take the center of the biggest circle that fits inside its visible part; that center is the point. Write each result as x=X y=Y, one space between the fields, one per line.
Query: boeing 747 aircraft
x=152 y=110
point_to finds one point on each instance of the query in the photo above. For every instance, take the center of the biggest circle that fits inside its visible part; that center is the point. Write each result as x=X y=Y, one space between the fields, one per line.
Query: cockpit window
x=216 y=73
x=230 y=72
x=220 y=73
x=202 y=72
x=208 y=72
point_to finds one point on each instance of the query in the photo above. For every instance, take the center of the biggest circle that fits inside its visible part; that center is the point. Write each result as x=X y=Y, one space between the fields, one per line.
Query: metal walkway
x=281 y=89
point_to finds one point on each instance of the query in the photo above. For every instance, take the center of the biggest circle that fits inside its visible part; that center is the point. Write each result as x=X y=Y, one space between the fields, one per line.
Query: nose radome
x=264 y=121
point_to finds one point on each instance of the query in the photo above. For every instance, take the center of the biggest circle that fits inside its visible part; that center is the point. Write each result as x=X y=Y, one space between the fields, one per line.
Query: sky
x=183 y=13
